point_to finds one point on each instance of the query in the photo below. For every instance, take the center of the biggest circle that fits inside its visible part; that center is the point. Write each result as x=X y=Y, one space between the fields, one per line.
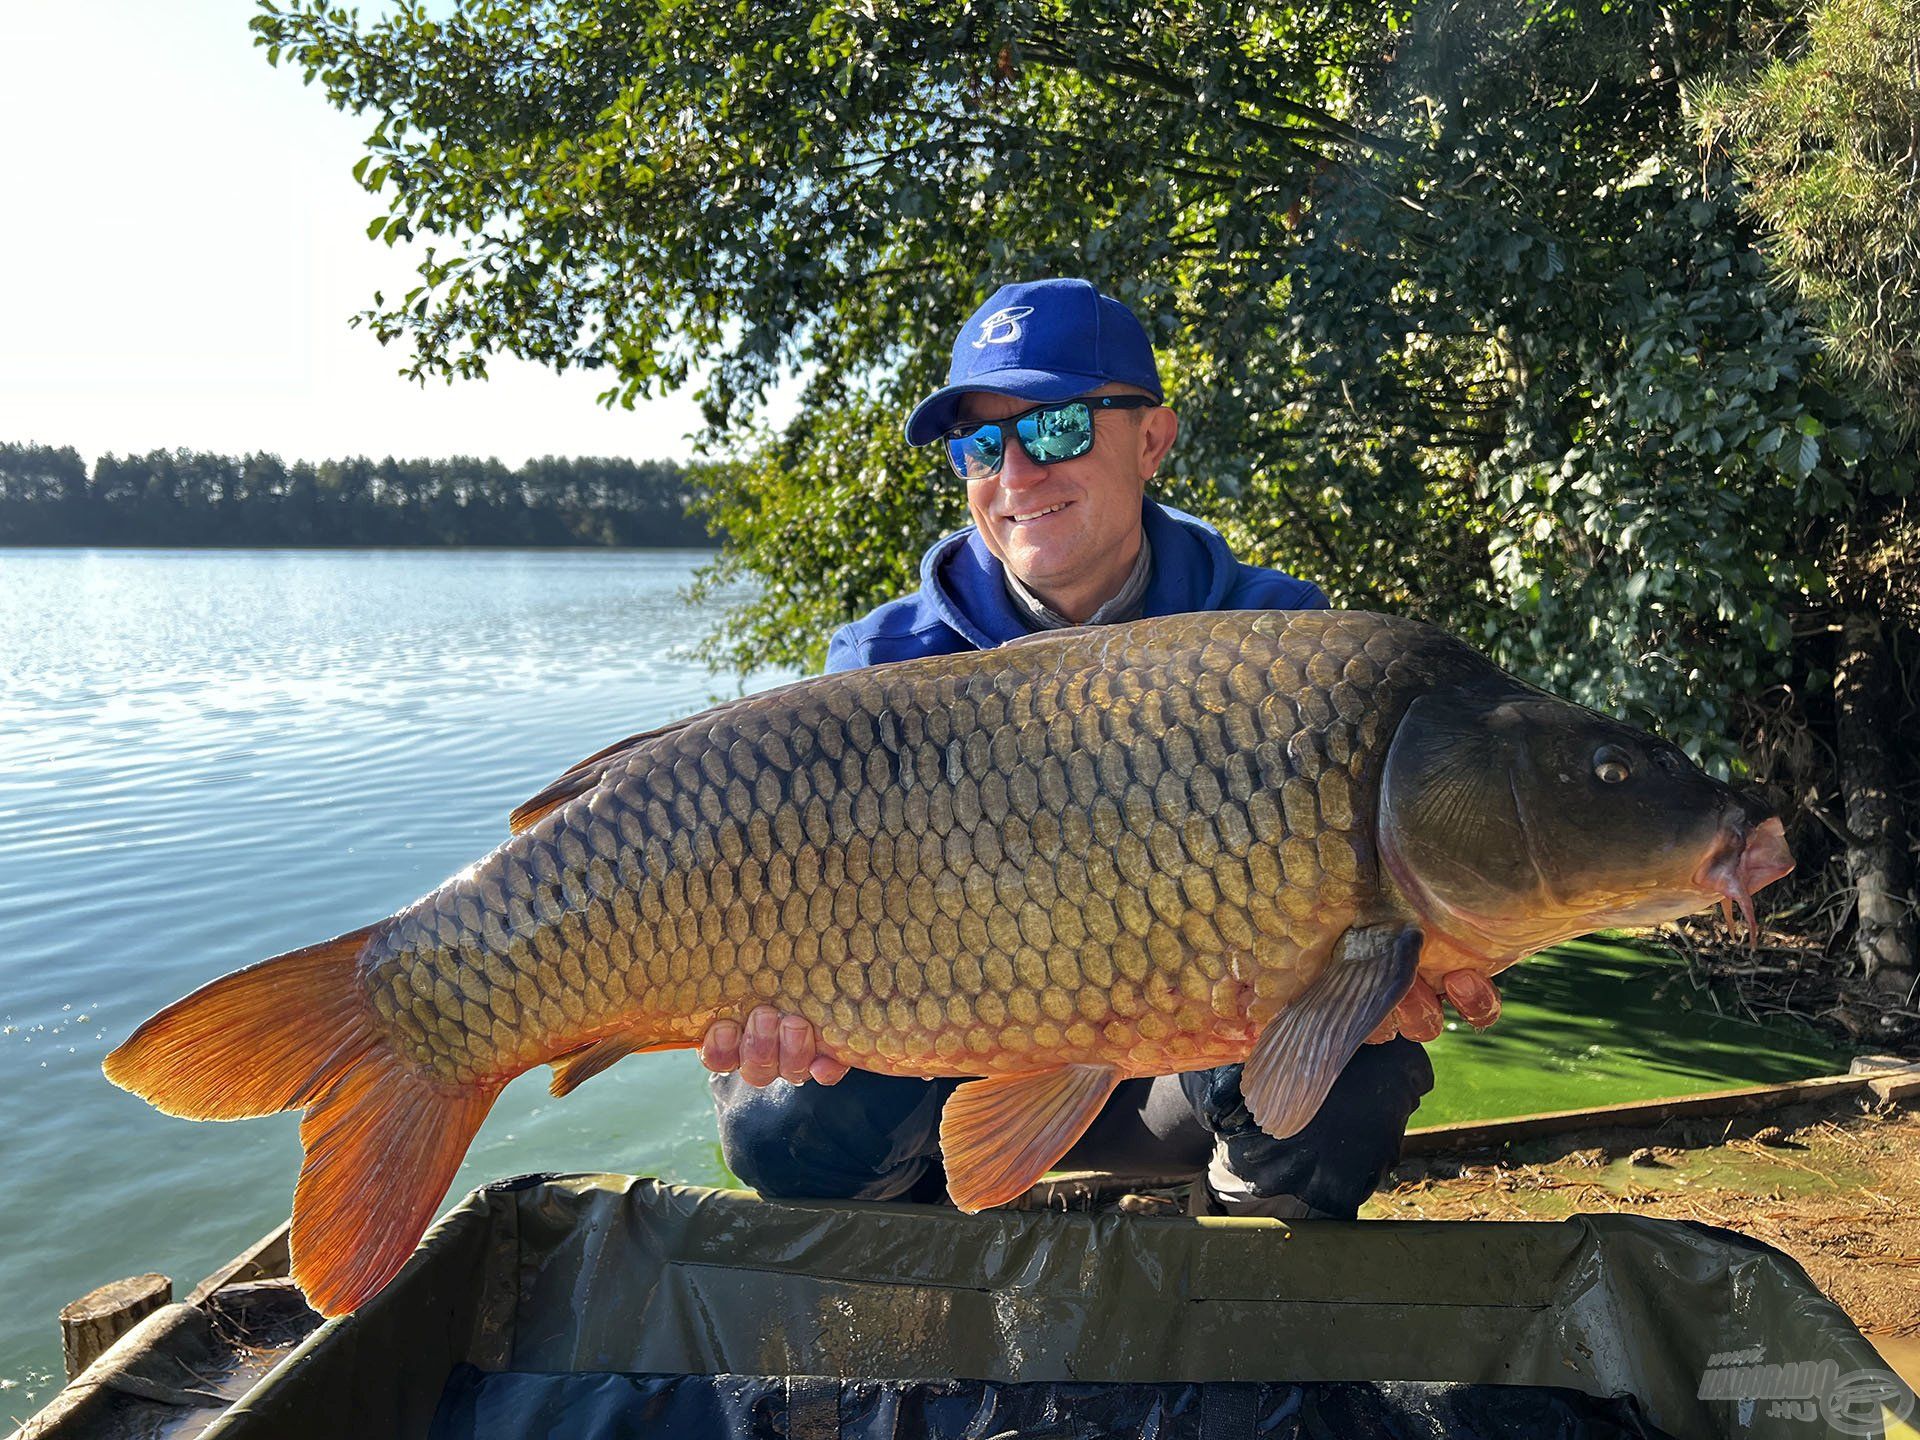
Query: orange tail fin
x=382 y=1140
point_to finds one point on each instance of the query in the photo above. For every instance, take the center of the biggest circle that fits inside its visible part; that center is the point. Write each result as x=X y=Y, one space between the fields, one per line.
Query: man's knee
x=871 y=1137
x=1342 y=1155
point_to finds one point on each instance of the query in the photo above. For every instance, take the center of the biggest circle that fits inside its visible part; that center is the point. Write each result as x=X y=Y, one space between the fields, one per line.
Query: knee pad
x=1343 y=1153
x=871 y=1137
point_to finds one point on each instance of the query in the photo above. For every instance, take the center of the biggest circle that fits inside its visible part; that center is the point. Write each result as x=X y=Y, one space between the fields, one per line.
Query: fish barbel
x=1080 y=857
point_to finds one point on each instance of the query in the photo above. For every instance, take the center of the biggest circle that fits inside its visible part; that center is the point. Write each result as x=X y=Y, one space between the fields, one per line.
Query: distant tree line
x=187 y=497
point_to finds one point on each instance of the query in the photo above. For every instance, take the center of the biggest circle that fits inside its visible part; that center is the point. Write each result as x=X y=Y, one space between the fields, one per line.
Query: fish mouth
x=1745 y=860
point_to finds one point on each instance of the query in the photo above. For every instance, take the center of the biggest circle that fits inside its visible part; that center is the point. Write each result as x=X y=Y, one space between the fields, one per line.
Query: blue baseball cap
x=1041 y=340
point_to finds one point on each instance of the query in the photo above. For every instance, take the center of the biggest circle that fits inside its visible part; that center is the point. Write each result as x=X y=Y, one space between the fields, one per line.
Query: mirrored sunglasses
x=1048 y=434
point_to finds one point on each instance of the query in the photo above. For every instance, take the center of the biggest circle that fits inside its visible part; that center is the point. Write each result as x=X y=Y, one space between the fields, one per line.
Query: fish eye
x=1611 y=765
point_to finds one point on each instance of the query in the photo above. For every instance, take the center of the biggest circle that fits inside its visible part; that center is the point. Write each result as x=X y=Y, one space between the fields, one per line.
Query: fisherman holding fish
x=1053 y=417
x=1046 y=863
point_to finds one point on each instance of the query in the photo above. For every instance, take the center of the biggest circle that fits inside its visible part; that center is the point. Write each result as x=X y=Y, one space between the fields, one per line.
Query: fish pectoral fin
x=1000 y=1134
x=1305 y=1047
x=571 y=1070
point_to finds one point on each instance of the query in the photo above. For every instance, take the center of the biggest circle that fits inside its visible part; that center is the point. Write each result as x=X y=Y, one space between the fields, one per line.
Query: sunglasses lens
x=1059 y=432
x=976 y=456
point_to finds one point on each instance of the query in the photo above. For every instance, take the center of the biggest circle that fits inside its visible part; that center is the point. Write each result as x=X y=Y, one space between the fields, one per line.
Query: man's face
x=1061 y=525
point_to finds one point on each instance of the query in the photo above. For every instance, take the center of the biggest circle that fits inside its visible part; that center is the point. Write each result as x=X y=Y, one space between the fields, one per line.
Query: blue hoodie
x=962 y=602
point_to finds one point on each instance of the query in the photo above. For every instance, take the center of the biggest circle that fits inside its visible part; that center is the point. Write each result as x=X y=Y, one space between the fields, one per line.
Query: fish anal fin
x=1000 y=1134
x=381 y=1148
x=570 y=1071
x=1305 y=1047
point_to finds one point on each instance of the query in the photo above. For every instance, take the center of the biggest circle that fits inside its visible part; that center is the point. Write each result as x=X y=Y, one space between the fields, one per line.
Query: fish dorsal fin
x=1305 y=1047
x=583 y=777
x=1001 y=1134
x=1066 y=632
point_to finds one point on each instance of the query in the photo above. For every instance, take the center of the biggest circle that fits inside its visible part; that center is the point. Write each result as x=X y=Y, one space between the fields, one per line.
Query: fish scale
x=1129 y=846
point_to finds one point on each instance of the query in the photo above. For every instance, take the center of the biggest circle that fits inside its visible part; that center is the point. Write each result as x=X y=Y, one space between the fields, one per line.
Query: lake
x=209 y=757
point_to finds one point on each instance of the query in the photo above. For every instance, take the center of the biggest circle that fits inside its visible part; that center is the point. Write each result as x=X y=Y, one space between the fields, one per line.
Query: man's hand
x=1419 y=1017
x=772 y=1046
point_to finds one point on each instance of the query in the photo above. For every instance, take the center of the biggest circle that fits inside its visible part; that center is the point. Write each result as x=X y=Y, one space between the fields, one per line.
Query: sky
x=182 y=245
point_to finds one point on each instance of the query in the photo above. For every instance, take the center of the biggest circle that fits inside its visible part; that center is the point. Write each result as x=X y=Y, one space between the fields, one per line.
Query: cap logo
x=1002 y=327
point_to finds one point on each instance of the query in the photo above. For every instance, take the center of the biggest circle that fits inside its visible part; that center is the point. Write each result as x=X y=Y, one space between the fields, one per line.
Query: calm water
x=208 y=758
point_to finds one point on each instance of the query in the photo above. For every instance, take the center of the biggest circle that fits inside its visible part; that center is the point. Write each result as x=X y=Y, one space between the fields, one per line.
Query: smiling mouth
x=1036 y=514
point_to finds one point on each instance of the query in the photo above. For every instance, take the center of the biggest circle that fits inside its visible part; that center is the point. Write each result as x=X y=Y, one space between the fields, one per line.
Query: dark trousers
x=876 y=1137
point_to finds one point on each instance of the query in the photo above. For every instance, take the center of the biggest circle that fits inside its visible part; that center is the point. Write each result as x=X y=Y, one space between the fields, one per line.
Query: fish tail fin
x=267 y=1038
x=382 y=1146
x=382 y=1140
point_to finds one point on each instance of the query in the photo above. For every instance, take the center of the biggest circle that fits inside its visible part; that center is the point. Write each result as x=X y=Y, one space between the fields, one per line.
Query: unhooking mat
x=479 y=1405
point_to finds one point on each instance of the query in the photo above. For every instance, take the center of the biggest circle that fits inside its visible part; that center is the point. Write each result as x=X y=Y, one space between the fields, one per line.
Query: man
x=1052 y=417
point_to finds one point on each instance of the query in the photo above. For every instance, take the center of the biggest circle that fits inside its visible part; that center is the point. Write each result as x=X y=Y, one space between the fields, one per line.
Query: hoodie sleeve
x=1261 y=589
x=845 y=652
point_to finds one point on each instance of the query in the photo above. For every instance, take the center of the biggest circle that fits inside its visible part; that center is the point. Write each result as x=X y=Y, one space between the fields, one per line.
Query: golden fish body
x=1087 y=855
x=1129 y=846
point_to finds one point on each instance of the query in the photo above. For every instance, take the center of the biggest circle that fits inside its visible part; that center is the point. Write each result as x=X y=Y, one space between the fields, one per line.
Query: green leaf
x=1807 y=455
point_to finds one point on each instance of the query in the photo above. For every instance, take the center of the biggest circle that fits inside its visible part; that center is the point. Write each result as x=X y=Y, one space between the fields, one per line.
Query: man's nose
x=1019 y=470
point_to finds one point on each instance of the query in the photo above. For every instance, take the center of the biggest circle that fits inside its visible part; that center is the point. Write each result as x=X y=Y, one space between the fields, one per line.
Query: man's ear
x=1159 y=428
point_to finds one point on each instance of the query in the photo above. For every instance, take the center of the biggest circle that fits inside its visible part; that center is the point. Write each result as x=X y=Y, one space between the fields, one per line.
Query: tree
x=1462 y=321
x=1824 y=131
x=43 y=492
x=187 y=498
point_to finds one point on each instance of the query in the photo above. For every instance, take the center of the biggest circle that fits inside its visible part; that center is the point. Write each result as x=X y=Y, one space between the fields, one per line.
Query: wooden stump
x=93 y=1322
x=1896 y=1085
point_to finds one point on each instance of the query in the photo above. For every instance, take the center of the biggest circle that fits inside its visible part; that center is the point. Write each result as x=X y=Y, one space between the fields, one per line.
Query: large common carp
x=1083 y=856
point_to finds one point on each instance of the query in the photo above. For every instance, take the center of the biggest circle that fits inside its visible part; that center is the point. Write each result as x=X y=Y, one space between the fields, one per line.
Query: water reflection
x=210 y=757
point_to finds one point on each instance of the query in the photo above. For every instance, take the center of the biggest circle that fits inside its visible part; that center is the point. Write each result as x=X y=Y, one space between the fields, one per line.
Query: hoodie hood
x=966 y=583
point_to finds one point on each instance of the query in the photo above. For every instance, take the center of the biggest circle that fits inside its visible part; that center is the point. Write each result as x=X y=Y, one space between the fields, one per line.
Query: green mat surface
x=1598 y=1022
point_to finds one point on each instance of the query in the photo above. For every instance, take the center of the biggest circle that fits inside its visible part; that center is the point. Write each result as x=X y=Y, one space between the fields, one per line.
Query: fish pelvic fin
x=1000 y=1134
x=267 y=1038
x=382 y=1140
